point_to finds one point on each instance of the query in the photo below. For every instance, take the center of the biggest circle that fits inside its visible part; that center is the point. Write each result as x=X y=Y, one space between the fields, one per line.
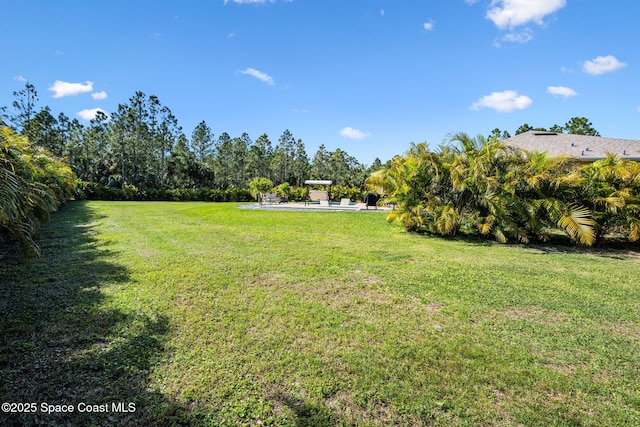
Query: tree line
x=141 y=144
x=479 y=186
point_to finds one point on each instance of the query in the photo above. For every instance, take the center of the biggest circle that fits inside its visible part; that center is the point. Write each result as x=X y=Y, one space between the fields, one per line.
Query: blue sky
x=367 y=76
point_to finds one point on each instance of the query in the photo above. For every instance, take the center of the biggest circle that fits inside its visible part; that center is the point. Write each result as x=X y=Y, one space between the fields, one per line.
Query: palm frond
x=499 y=235
x=634 y=228
x=578 y=222
x=485 y=227
x=447 y=220
x=611 y=203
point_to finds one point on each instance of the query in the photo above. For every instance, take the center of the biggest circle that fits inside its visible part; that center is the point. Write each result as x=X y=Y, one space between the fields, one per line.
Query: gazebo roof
x=318 y=182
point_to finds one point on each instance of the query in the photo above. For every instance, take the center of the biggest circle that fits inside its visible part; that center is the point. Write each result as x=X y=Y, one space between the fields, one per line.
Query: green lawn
x=206 y=314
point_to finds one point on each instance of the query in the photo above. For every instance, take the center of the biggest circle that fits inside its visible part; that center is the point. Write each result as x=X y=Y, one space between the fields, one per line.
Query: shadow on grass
x=612 y=248
x=59 y=345
x=309 y=414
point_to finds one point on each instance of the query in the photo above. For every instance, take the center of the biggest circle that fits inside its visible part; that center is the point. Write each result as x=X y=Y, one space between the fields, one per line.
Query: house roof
x=583 y=147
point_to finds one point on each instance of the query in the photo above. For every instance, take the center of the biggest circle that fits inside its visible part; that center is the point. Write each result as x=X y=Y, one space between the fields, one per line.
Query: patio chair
x=271 y=198
x=371 y=199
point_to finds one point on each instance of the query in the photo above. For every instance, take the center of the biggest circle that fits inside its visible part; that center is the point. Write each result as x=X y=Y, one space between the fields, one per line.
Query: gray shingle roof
x=582 y=147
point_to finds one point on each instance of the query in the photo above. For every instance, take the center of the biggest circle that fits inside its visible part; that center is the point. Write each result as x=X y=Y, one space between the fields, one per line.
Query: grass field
x=206 y=314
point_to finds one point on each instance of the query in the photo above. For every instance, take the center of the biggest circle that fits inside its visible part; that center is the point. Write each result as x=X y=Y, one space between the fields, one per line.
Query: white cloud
x=429 y=26
x=99 y=95
x=381 y=12
x=20 y=78
x=259 y=75
x=561 y=91
x=351 y=133
x=254 y=1
x=60 y=88
x=602 y=64
x=513 y=13
x=90 y=114
x=521 y=37
x=504 y=102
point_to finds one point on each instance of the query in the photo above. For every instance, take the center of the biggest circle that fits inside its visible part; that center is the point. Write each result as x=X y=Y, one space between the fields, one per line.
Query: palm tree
x=544 y=188
x=410 y=181
x=259 y=187
x=32 y=185
x=478 y=173
x=611 y=187
x=479 y=186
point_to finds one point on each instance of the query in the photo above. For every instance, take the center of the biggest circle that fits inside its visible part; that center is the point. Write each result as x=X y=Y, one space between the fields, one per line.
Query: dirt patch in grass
x=565 y=369
x=536 y=315
x=541 y=316
x=356 y=293
x=625 y=329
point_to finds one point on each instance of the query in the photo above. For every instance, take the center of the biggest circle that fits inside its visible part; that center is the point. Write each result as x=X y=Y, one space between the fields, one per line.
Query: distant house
x=582 y=147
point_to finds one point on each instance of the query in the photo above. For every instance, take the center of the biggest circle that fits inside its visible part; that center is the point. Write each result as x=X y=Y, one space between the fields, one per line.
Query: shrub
x=259 y=187
x=33 y=184
x=284 y=190
x=486 y=189
x=298 y=194
x=97 y=191
x=352 y=193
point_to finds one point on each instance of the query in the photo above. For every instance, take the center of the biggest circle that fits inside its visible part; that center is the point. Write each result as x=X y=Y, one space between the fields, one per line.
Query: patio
x=300 y=206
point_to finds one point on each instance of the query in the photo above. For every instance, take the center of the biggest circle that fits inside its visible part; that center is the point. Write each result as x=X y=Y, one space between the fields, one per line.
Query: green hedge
x=341 y=192
x=96 y=191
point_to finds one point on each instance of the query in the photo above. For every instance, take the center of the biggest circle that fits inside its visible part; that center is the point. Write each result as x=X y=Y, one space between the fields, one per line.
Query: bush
x=341 y=192
x=284 y=190
x=240 y=195
x=33 y=183
x=298 y=194
x=97 y=191
x=488 y=190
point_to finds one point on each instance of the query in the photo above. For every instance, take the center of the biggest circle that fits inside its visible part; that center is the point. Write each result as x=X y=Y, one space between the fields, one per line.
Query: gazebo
x=317 y=195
